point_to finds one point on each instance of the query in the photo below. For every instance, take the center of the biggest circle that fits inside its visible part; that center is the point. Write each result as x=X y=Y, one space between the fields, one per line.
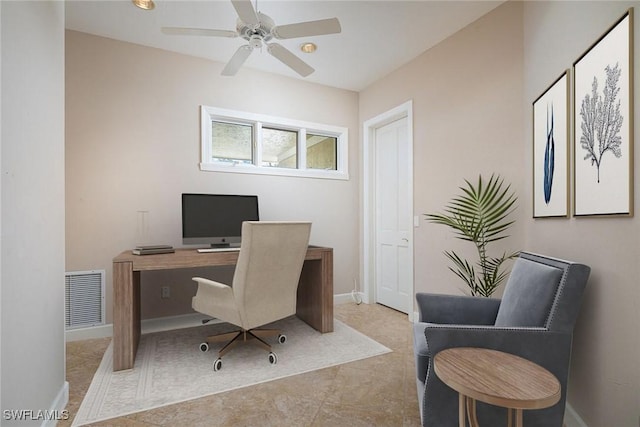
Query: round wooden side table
x=496 y=378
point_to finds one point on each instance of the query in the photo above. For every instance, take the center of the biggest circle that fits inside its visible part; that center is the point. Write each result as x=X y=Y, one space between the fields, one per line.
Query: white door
x=393 y=217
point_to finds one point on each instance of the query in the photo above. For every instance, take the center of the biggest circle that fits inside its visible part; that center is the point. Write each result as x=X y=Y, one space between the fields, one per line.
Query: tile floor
x=379 y=391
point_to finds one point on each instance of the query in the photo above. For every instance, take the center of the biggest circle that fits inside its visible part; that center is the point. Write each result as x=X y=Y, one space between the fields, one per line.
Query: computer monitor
x=216 y=219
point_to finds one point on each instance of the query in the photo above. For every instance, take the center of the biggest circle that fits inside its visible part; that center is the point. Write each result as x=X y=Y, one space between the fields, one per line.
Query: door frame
x=368 y=206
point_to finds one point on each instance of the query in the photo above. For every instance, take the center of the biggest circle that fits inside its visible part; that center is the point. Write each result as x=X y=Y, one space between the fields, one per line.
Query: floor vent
x=84 y=299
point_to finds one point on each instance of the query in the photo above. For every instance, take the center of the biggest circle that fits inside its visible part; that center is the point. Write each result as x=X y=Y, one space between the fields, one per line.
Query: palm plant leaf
x=480 y=214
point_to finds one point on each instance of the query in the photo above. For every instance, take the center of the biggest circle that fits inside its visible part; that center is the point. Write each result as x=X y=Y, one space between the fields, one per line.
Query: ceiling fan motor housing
x=255 y=35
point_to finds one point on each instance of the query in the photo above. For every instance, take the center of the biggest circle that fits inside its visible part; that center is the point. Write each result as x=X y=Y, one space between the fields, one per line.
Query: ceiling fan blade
x=178 y=31
x=237 y=60
x=306 y=29
x=289 y=59
x=246 y=12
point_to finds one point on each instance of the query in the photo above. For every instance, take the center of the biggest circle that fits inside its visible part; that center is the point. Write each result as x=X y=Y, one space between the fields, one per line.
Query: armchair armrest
x=549 y=349
x=457 y=309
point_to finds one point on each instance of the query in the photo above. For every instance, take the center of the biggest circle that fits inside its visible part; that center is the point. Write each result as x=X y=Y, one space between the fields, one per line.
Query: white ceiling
x=377 y=36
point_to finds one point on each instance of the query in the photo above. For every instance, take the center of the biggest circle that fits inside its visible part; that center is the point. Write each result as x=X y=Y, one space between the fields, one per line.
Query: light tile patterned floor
x=379 y=391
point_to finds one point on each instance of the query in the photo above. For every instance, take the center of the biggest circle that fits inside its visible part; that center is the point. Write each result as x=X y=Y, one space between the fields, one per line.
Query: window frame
x=257 y=121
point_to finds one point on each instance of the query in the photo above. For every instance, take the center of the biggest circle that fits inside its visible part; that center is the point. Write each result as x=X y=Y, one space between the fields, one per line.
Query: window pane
x=279 y=148
x=322 y=152
x=231 y=142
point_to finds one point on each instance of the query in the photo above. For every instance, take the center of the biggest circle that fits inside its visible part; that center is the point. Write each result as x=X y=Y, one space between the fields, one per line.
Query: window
x=231 y=142
x=322 y=152
x=241 y=142
x=279 y=148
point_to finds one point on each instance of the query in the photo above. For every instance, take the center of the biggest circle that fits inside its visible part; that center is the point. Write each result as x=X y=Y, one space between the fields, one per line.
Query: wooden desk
x=497 y=378
x=315 y=291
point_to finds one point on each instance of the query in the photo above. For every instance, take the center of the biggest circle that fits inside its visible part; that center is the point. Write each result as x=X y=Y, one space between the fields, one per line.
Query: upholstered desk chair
x=264 y=287
x=534 y=319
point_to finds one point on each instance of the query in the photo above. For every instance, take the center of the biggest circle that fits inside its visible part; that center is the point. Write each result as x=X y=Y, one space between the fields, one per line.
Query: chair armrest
x=216 y=300
x=457 y=309
x=549 y=349
x=211 y=285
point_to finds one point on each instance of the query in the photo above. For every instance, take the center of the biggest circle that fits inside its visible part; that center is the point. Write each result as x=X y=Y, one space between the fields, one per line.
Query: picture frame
x=551 y=150
x=603 y=124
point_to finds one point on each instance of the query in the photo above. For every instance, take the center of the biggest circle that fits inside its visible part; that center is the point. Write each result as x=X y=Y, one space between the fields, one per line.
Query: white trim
x=368 y=221
x=148 y=326
x=257 y=121
x=169 y=323
x=339 y=299
x=58 y=407
x=571 y=417
x=92 y=332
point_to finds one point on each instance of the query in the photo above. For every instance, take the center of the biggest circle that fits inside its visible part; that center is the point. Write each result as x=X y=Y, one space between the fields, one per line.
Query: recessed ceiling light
x=308 y=47
x=144 y=4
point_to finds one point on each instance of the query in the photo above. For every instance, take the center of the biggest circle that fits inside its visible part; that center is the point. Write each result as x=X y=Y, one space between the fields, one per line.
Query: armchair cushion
x=529 y=294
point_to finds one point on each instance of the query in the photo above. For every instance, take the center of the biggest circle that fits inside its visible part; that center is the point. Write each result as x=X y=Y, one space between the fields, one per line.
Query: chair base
x=255 y=335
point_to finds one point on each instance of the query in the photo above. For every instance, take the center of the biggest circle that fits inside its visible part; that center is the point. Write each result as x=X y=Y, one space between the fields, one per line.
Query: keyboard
x=206 y=250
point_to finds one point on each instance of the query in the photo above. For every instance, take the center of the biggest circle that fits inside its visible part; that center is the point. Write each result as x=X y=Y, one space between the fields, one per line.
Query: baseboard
x=171 y=322
x=102 y=331
x=147 y=325
x=57 y=411
x=342 y=298
x=571 y=418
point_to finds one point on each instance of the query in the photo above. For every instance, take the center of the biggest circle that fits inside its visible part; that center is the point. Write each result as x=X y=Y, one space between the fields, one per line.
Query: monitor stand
x=224 y=245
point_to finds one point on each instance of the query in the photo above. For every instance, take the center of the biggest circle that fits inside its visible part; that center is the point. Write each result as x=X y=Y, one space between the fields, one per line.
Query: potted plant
x=480 y=215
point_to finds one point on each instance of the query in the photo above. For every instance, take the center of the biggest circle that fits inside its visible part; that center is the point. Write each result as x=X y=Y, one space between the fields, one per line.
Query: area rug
x=170 y=368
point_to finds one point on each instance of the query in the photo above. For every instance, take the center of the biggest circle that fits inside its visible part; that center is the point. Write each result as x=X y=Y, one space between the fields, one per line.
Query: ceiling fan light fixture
x=308 y=47
x=144 y=4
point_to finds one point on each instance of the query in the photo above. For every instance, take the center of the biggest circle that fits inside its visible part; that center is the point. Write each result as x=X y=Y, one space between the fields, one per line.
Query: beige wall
x=472 y=98
x=32 y=187
x=133 y=144
x=604 y=386
x=467 y=96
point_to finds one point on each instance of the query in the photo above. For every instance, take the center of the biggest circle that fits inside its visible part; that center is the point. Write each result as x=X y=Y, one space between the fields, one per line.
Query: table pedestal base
x=468 y=405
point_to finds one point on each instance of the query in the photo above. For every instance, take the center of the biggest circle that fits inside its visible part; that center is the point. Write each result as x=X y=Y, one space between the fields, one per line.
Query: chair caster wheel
x=273 y=359
x=217 y=365
x=282 y=338
x=204 y=347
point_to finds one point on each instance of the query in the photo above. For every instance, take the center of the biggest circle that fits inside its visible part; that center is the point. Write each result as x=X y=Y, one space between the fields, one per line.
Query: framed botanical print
x=551 y=150
x=603 y=124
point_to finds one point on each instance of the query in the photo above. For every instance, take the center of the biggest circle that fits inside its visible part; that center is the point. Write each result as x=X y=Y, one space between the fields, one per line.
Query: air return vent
x=84 y=299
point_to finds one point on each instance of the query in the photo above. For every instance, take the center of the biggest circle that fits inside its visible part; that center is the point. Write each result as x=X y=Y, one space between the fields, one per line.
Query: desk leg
x=315 y=293
x=126 y=315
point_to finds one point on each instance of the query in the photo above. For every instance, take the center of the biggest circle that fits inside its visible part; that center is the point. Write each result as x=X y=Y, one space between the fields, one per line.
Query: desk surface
x=188 y=257
x=497 y=378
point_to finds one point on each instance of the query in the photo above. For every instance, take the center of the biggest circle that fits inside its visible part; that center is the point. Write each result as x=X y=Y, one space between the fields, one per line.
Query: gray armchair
x=534 y=319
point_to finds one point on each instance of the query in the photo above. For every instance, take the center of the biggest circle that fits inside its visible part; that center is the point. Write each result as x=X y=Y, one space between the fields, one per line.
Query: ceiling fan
x=258 y=30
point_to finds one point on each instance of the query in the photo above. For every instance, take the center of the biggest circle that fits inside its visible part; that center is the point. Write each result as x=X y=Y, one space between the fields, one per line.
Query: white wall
x=32 y=189
x=133 y=143
x=604 y=385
